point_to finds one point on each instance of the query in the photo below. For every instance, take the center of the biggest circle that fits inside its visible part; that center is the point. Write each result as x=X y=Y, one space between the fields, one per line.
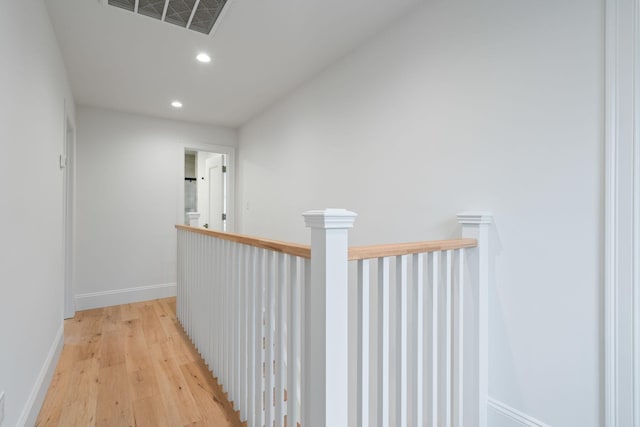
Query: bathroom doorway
x=206 y=189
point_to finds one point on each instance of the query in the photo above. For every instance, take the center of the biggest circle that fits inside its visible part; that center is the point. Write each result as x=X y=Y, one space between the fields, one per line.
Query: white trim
x=475 y=217
x=513 y=414
x=636 y=216
x=124 y=296
x=622 y=215
x=68 y=225
x=610 y=300
x=39 y=390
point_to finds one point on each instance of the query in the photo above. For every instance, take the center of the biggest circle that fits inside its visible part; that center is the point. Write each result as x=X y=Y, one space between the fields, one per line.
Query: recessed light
x=204 y=58
x=176 y=104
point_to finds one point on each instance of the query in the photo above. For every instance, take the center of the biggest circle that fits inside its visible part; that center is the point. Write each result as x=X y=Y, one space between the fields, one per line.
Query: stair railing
x=271 y=320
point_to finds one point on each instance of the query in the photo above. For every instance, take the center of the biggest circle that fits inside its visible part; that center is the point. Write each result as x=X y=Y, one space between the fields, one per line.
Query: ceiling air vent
x=196 y=15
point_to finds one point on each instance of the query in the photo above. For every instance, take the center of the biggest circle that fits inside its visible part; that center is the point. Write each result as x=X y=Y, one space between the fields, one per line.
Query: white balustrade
x=271 y=322
x=240 y=305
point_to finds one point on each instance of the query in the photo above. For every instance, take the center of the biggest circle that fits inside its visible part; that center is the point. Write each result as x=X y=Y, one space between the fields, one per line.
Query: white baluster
x=225 y=317
x=235 y=329
x=325 y=374
x=435 y=282
x=269 y=311
x=185 y=277
x=383 y=342
x=244 y=333
x=218 y=306
x=305 y=300
x=179 y=278
x=228 y=382
x=415 y=406
x=206 y=350
x=230 y=330
x=189 y=311
x=196 y=289
x=364 y=330
x=197 y=336
x=252 y=350
x=293 y=343
x=448 y=341
x=224 y=312
x=460 y=347
x=244 y=308
x=259 y=360
x=402 y=358
x=281 y=304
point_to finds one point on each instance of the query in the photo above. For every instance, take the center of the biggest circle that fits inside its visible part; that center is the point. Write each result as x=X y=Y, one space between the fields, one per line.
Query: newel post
x=476 y=225
x=325 y=375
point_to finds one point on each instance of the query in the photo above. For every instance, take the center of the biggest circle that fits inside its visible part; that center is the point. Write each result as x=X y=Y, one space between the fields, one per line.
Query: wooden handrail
x=303 y=251
x=355 y=253
x=396 y=249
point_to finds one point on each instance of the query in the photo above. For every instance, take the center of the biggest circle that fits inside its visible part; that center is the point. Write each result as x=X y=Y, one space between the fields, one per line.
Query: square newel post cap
x=329 y=218
x=475 y=217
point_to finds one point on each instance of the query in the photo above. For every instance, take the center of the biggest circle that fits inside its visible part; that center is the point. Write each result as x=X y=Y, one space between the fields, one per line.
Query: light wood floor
x=132 y=365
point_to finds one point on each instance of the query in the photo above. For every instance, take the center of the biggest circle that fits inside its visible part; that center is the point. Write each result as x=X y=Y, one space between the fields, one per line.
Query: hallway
x=132 y=365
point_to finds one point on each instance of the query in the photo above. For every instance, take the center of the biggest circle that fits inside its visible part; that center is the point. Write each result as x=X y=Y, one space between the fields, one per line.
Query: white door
x=215 y=175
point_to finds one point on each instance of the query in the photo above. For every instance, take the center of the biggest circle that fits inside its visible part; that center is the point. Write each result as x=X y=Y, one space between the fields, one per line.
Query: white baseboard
x=124 y=296
x=512 y=415
x=39 y=391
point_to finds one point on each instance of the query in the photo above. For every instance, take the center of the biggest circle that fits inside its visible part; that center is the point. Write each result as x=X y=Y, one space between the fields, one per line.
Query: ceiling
x=261 y=50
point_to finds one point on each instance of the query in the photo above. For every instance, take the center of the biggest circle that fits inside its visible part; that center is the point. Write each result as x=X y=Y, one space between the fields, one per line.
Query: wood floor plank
x=54 y=401
x=135 y=346
x=153 y=332
x=170 y=326
x=132 y=365
x=79 y=408
x=171 y=302
x=128 y=312
x=112 y=319
x=112 y=349
x=72 y=330
x=207 y=394
x=143 y=383
x=149 y=412
x=161 y=308
x=177 y=399
x=174 y=347
x=113 y=408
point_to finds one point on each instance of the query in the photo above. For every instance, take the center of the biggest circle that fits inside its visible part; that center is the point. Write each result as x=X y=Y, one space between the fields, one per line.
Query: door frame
x=67 y=163
x=621 y=324
x=230 y=154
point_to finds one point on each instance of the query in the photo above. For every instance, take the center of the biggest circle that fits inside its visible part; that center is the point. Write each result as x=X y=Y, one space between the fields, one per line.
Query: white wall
x=464 y=105
x=130 y=194
x=34 y=89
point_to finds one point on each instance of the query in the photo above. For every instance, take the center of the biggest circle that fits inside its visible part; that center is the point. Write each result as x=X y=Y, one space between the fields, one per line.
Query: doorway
x=67 y=160
x=206 y=189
